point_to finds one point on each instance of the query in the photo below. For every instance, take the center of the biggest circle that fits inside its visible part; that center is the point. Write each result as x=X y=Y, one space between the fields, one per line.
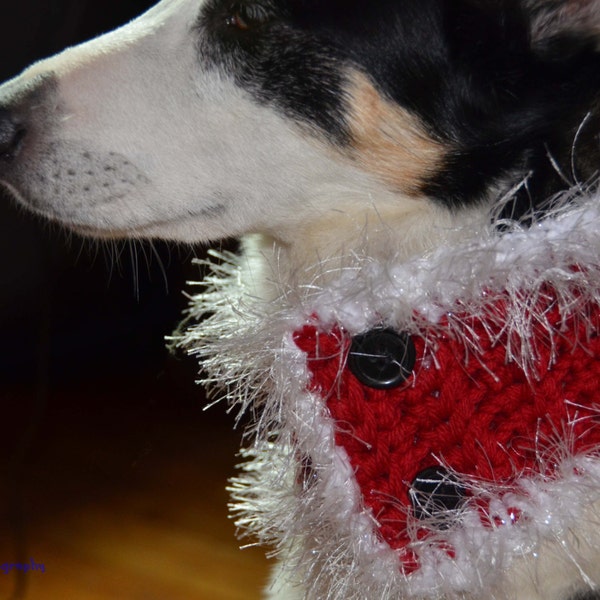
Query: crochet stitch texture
x=503 y=395
x=481 y=417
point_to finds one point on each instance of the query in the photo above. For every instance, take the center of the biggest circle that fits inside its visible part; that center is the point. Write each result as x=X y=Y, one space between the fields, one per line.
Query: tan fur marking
x=388 y=141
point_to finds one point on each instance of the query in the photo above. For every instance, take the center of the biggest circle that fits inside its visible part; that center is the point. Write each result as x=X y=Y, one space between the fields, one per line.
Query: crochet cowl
x=419 y=427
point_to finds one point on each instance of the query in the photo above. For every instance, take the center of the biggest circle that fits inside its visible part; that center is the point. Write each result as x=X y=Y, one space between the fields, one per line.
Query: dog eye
x=244 y=17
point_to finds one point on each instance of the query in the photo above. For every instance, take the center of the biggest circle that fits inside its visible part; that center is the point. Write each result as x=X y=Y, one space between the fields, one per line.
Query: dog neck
x=318 y=250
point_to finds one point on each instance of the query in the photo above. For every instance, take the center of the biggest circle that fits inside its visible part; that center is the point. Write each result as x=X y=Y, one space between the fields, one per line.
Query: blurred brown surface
x=118 y=488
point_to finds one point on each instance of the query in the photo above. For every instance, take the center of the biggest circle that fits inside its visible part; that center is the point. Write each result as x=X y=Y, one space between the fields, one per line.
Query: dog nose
x=11 y=135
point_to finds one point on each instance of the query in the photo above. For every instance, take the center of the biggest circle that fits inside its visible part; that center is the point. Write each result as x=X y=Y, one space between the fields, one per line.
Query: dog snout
x=25 y=104
x=12 y=133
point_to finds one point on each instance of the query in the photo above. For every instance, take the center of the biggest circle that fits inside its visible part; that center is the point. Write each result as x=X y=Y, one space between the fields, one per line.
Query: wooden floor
x=118 y=489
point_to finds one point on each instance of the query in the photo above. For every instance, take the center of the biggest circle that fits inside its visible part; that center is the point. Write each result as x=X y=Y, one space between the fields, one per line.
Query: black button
x=382 y=358
x=435 y=492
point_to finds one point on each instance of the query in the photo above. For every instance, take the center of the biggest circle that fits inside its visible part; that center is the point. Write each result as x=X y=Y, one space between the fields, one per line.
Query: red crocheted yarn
x=480 y=415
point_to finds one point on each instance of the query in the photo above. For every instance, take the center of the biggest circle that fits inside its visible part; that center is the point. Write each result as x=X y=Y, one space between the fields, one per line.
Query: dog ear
x=557 y=29
x=560 y=28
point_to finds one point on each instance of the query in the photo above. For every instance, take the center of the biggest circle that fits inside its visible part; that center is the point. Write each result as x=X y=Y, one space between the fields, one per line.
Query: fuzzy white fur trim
x=322 y=526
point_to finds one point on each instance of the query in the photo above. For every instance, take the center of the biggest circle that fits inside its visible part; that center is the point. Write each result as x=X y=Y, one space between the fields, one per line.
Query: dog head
x=208 y=118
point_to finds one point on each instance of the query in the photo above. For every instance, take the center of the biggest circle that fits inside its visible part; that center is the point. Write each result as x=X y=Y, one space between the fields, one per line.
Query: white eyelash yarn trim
x=318 y=520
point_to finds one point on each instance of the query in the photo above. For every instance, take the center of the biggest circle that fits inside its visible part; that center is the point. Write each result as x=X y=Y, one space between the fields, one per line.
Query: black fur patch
x=589 y=595
x=467 y=69
x=279 y=63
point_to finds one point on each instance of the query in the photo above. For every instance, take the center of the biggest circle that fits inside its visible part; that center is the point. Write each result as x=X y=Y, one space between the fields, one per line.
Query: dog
x=315 y=130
